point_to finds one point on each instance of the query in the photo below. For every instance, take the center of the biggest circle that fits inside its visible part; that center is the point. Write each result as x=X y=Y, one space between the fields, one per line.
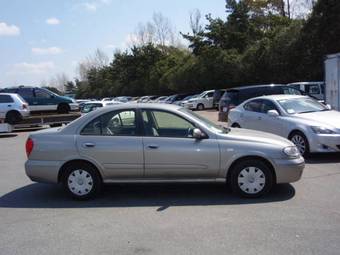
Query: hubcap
x=80 y=182
x=251 y=180
x=300 y=143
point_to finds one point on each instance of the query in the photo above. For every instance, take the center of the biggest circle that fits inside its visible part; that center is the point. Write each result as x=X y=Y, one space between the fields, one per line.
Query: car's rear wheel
x=236 y=125
x=251 y=178
x=301 y=142
x=13 y=117
x=63 y=108
x=82 y=181
x=200 y=107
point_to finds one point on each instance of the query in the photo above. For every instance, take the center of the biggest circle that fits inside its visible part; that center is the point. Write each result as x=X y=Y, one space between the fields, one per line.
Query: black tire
x=296 y=136
x=88 y=184
x=200 y=107
x=63 y=108
x=236 y=125
x=13 y=117
x=256 y=184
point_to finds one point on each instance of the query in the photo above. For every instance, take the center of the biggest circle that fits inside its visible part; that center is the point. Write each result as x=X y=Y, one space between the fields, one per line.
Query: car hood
x=330 y=118
x=247 y=135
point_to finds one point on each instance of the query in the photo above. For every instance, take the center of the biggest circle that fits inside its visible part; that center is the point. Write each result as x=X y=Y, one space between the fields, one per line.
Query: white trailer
x=332 y=80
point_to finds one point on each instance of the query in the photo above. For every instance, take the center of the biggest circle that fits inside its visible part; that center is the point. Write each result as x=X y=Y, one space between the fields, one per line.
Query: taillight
x=29 y=146
x=231 y=106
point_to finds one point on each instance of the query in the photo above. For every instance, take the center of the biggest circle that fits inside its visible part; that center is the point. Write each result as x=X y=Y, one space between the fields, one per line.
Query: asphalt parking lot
x=301 y=218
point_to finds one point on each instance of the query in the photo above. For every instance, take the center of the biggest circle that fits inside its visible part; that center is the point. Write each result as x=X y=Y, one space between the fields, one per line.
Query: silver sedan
x=310 y=125
x=158 y=143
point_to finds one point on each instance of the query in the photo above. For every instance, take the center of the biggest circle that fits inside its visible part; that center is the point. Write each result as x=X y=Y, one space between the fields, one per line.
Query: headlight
x=322 y=130
x=292 y=152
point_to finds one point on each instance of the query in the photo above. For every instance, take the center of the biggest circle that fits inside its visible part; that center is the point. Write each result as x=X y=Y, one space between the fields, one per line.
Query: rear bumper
x=43 y=171
x=24 y=113
x=289 y=170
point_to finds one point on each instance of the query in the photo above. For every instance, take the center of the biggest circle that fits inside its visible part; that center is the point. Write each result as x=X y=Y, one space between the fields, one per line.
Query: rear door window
x=254 y=106
x=26 y=92
x=6 y=99
x=116 y=123
x=312 y=89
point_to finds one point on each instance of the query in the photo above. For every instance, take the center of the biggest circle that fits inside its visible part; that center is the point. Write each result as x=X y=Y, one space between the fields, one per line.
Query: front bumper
x=189 y=106
x=42 y=170
x=289 y=170
x=74 y=107
x=324 y=143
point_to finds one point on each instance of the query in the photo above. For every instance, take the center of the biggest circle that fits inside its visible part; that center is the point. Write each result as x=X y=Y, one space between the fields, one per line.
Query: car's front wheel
x=301 y=142
x=82 y=181
x=251 y=178
x=200 y=107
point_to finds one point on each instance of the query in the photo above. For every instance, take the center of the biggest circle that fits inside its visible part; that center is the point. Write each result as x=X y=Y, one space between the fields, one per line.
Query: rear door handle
x=259 y=118
x=89 y=145
x=153 y=146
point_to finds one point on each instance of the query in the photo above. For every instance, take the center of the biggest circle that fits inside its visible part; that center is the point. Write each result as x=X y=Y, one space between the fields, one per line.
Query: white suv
x=13 y=108
x=201 y=102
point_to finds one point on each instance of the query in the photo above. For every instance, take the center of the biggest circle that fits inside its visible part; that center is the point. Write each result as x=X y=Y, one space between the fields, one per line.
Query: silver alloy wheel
x=200 y=107
x=80 y=182
x=300 y=143
x=251 y=180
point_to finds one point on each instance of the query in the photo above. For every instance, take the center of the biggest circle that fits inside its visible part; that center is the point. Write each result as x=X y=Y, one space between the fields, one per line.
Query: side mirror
x=52 y=96
x=328 y=106
x=198 y=134
x=273 y=113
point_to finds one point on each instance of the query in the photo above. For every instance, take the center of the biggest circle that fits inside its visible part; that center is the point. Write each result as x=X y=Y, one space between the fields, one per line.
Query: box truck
x=332 y=80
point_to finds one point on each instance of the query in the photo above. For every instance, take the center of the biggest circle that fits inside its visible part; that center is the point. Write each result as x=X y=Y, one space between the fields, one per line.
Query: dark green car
x=41 y=99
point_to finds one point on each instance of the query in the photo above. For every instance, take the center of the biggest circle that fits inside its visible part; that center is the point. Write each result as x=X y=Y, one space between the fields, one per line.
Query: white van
x=315 y=89
x=201 y=102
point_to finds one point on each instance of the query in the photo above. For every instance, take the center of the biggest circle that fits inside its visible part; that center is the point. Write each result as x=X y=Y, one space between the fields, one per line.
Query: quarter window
x=117 y=123
x=165 y=124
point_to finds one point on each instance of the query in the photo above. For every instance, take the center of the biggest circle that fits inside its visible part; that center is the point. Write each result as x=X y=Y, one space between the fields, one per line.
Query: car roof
x=306 y=83
x=256 y=86
x=279 y=97
x=8 y=94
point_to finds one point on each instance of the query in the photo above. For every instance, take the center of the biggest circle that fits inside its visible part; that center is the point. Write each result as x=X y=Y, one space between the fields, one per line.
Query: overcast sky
x=41 y=38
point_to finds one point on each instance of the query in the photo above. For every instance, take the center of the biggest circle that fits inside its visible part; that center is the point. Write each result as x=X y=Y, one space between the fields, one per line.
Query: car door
x=267 y=123
x=113 y=140
x=43 y=100
x=209 y=100
x=251 y=114
x=171 y=152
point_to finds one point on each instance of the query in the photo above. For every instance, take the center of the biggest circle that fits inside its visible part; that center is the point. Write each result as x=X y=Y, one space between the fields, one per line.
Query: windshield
x=208 y=123
x=302 y=105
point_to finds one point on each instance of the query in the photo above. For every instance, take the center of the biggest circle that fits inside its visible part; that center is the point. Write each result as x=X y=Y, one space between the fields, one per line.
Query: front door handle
x=89 y=145
x=153 y=146
x=259 y=118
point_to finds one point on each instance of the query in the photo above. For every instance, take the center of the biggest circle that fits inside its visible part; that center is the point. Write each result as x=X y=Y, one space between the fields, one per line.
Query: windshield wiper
x=307 y=112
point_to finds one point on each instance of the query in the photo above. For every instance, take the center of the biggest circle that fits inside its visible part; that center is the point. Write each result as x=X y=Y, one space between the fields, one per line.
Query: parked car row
x=236 y=96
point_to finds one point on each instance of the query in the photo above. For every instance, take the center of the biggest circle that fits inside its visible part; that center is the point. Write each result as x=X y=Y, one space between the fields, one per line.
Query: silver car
x=310 y=125
x=13 y=108
x=158 y=143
